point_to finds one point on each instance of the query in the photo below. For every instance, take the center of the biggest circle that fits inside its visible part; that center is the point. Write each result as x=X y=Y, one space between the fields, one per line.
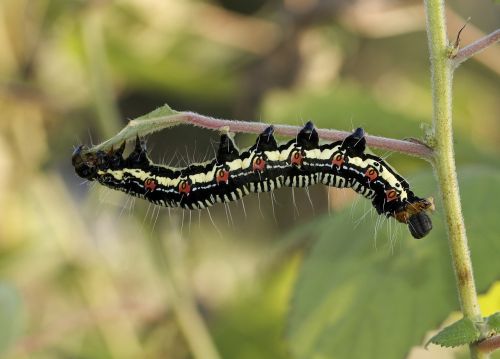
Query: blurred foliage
x=90 y=273
x=10 y=314
x=385 y=300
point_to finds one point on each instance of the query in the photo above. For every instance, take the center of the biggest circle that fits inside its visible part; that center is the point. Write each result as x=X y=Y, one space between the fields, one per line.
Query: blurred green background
x=86 y=272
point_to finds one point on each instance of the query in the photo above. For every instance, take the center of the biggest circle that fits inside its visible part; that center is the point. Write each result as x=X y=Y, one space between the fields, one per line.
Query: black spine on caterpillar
x=265 y=166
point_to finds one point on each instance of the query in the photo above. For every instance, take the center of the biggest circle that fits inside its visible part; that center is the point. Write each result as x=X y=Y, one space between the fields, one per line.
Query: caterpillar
x=263 y=167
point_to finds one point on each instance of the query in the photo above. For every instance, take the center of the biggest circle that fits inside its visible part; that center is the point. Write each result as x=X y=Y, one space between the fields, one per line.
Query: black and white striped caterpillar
x=265 y=166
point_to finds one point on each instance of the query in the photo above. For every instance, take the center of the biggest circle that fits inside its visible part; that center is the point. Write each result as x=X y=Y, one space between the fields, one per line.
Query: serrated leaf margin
x=462 y=332
x=493 y=323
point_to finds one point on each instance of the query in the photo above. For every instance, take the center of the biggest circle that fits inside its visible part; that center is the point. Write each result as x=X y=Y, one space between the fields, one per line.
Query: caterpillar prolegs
x=265 y=166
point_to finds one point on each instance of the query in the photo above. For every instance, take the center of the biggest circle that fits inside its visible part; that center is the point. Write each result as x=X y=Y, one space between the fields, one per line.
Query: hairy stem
x=143 y=126
x=444 y=161
x=476 y=47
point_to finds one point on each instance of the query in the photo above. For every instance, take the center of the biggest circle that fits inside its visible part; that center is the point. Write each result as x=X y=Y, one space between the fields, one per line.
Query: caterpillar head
x=414 y=213
x=411 y=210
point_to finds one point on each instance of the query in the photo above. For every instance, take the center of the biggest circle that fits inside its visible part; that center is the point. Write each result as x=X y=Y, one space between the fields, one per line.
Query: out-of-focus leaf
x=348 y=106
x=253 y=327
x=10 y=316
x=459 y=333
x=344 y=107
x=356 y=298
x=177 y=73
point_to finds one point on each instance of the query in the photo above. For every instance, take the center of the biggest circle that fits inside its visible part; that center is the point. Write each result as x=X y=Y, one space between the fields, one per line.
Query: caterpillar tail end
x=84 y=163
x=87 y=163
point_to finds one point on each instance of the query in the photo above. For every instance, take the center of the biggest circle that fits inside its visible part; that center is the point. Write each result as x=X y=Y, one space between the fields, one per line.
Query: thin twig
x=144 y=126
x=476 y=47
x=489 y=345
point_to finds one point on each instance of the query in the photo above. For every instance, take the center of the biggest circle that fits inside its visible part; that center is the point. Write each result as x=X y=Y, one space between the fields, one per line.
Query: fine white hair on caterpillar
x=264 y=167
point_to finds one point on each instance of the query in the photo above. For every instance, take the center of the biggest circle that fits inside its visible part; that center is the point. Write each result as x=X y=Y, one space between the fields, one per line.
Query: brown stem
x=476 y=47
x=146 y=125
x=489 y=345
x=411 y=148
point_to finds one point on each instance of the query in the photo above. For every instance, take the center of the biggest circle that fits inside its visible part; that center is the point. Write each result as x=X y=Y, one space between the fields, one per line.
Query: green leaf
x=459 y=333
x=493 y=323
x=243 y=332
x=162 y=111
x=157 y=120
x=10 y=316
x=361 y=295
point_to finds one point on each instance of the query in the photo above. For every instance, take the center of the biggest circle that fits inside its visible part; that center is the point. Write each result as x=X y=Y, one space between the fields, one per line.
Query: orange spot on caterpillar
x=391 y=195
x=296 y=158
x=338 y=160
x=150 y=184
x=371 y=173
x=222 y=176
x=184 y=187
x=258 y=164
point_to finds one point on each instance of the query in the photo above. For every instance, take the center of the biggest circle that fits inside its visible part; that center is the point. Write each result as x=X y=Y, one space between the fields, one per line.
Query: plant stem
x=190 y=321
x=144 y=126
x=490 y=344
x=444 y=161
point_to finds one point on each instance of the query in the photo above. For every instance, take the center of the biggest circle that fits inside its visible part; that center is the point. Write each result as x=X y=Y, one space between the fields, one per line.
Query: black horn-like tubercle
x=227 y=150
x=419 y=225
x=120 y=149
x=269 y=131
x=116 y=157
x=356 y=141
x=308 y=137
x=138 y=158
x=308 y=127
x=358 y=133
x=266 y=140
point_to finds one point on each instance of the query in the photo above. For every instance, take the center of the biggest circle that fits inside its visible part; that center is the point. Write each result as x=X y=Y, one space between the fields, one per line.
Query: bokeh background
x=89 y=273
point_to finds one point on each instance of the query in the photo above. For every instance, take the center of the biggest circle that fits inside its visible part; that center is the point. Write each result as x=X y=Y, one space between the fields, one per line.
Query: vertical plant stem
x=183 y=304
x=444 y=161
